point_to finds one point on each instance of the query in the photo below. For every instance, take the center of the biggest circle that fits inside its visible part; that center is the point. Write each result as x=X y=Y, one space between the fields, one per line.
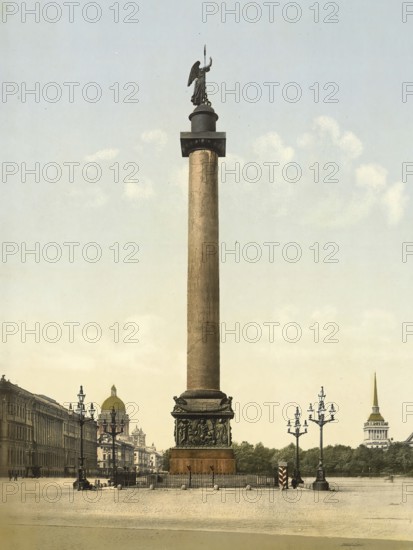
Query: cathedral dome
x=113 y=401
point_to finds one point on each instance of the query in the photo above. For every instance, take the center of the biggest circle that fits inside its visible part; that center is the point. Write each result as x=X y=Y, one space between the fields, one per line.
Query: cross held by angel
x=198 y=73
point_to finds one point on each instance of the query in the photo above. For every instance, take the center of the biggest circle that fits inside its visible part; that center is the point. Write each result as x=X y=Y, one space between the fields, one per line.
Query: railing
x=205 y=480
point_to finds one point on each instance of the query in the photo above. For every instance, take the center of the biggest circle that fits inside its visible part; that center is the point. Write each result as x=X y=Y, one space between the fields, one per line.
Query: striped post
x=283 y=475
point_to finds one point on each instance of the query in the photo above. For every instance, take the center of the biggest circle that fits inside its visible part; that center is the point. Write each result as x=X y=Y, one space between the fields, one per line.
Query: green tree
x=398 y=459
x=252 y=459
x=165 y=460
x=286 y=454
x=243 y=456
x=361 y=461
x=309 y=461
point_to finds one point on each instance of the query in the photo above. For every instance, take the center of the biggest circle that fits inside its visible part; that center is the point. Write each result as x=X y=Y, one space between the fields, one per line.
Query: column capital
x=194 y=141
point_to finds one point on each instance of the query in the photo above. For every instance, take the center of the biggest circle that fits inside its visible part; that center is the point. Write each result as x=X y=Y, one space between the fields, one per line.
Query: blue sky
x=361 y=61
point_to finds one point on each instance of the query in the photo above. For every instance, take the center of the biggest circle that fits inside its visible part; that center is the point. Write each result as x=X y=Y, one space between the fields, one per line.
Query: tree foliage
x=340 y=460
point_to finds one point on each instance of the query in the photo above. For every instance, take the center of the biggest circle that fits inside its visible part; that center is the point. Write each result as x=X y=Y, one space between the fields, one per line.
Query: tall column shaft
x=203 y=359
x=203 y=412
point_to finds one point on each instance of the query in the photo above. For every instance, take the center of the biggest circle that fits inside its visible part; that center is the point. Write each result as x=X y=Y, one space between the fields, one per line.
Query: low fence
x=205 y=480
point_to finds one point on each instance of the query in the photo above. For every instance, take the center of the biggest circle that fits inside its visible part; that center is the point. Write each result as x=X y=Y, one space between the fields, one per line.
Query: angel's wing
x=194 y=72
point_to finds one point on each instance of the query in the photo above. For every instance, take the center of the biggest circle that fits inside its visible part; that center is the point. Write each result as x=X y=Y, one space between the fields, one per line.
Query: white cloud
x=155 y=137
x=371 y=176
x=103 y=154
x=137 y=191
x=350 y=144
x=327 y=128
x=305 y=140
x=271 y=147
x=370 y=189
x=394 y=200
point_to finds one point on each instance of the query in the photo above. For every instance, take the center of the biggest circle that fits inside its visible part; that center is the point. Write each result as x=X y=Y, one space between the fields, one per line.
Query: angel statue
x=197 y=73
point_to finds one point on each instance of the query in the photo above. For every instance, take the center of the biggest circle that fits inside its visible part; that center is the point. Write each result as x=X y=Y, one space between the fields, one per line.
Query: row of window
x=20 y=411
x=377 y=434
x=16 y=431
x=18 y=456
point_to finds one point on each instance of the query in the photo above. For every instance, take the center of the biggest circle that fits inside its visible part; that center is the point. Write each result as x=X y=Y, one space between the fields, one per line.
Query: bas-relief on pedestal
x=203 y=422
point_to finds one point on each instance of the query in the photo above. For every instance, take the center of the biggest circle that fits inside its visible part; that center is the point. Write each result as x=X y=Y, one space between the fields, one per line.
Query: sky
x=315 y=205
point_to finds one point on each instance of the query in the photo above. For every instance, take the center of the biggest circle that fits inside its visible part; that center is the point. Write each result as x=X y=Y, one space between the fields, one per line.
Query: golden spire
x=375 y=415
x=375 y=398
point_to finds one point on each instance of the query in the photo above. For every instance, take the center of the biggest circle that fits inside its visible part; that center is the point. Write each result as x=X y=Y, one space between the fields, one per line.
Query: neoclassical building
x=147 y=458
x=124 y=448
x=40 y=437
x=131 y=451
x=376 y=429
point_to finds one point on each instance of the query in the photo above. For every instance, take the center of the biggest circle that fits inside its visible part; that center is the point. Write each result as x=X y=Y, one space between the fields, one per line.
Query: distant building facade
x=131 y=451
x=147 y=458
x=376 y=429
x=39 y=437
x=124 y=448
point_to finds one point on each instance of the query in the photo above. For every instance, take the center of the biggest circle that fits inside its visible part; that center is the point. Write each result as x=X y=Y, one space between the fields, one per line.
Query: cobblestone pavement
x=47 y=513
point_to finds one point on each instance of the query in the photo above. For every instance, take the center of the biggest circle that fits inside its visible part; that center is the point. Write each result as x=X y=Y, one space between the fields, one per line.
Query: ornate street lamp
x=297 y=433
x=82 y=482
x=113 y=433
x=320 y=484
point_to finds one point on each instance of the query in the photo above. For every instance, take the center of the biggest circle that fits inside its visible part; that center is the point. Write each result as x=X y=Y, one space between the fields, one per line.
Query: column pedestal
x=202 y=433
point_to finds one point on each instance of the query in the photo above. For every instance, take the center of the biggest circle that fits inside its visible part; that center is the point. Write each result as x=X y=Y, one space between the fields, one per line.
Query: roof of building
x=113 y=401
x=375 y=415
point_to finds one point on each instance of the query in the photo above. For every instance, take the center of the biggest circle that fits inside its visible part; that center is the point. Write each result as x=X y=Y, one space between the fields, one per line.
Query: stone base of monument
x=201 y=460
x=202 y=433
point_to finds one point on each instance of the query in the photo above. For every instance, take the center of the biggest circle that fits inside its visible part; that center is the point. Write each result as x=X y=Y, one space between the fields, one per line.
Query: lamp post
x=297 y=433
x=190 y=476
x=82 y=482
x=29 y=453
x=320 y=484
x=113 y=433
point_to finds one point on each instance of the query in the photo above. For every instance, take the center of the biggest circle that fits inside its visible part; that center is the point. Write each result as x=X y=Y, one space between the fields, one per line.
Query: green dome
x=376 y=417
x=113 y=401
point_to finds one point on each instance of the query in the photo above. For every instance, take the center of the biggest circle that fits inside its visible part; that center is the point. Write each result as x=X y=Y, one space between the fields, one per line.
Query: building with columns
x=147 y=458
x=131 y=451
x=376 y=429
x=39 y=437
x=124 y=448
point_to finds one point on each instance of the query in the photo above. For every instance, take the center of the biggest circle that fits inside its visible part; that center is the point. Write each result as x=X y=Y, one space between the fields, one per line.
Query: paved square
x=368 y=513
